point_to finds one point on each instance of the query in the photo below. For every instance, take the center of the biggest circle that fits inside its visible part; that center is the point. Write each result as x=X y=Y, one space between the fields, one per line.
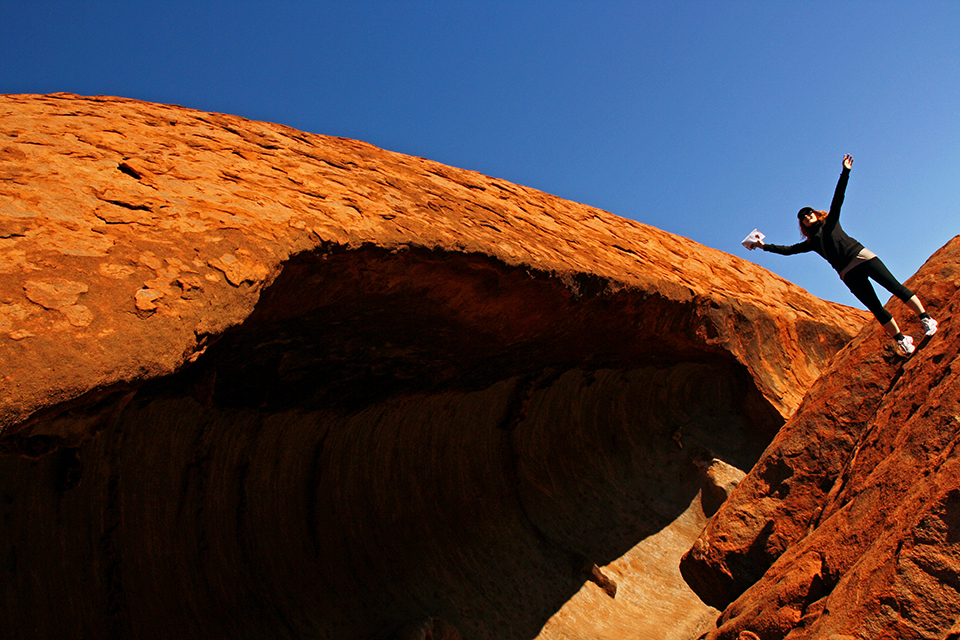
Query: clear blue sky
x=705 y=119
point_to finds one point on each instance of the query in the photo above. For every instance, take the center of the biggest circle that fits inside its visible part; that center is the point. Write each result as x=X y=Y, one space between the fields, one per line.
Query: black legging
x=858 y=281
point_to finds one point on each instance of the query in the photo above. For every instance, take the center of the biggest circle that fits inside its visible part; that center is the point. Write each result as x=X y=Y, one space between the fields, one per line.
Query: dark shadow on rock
x=388 y=437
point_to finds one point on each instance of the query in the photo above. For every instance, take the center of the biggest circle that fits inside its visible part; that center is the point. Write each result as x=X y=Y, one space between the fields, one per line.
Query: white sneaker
x=929 y=326
x=906 y=345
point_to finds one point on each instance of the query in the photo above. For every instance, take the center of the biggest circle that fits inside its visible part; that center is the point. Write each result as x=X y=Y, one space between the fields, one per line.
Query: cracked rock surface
x=263 y=383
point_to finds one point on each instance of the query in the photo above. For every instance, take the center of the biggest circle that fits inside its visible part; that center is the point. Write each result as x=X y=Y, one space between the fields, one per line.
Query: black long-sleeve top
x=830 y=240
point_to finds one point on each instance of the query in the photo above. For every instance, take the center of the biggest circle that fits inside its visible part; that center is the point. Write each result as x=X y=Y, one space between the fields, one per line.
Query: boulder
x=849 y=524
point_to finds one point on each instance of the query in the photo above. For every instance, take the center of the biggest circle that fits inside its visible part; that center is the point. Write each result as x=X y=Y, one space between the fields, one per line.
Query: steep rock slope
x=849 y=525
x=267 y=383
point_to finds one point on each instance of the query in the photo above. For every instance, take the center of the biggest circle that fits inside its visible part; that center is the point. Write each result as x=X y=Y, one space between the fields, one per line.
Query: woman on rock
x=855 y=264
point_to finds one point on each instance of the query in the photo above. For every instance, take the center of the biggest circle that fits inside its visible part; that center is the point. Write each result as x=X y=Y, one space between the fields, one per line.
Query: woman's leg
x=892 y=329
x=857 y=280
x=879 y=272
x=915 y=304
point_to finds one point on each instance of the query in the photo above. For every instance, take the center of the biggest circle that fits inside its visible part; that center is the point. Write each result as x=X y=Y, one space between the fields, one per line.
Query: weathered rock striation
x=849 y=525
x=260 y=383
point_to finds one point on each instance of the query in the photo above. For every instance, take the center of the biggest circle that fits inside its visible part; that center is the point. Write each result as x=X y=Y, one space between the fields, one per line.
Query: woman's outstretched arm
x=837 y=201
x=788 y=250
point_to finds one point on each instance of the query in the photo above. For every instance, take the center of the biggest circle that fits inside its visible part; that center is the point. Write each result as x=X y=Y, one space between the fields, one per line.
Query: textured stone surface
x=849 y=525
x=292 y=385
x=132 y=233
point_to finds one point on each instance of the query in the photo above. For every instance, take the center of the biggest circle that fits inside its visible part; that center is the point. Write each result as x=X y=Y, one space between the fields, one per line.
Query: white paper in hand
x=752 y=240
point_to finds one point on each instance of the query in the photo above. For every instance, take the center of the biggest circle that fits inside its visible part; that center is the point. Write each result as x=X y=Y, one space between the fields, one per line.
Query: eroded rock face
x=266 y=383
x=849 y=525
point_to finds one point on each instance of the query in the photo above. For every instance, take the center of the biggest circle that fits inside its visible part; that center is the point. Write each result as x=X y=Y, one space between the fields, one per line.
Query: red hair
x=811 y=231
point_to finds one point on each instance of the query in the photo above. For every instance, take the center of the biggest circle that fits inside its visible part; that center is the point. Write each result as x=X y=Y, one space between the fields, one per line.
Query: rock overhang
x=173 y=221
x=288 y=314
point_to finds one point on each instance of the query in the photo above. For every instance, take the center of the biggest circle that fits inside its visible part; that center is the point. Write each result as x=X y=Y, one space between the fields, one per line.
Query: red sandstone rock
x=295 y=385
x=849 y=525
x=132 y=233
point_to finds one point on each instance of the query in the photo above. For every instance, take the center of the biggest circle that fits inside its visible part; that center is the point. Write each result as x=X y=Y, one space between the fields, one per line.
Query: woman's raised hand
x=847 y=161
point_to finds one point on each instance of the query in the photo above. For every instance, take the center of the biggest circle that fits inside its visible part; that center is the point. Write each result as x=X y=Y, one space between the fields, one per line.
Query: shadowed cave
x=391 y=435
